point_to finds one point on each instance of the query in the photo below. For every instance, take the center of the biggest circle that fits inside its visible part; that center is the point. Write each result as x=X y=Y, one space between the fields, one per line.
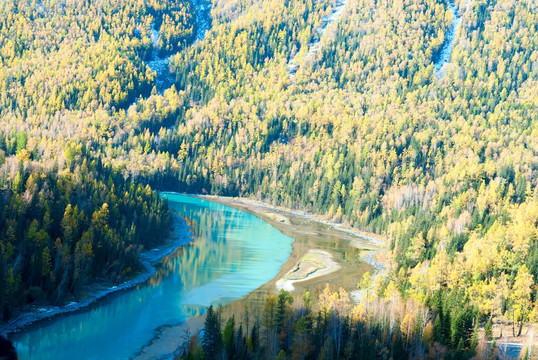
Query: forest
x=365 y=133
x=60 y=232
x=369 y=135
x=334 y=328
x=68 y=218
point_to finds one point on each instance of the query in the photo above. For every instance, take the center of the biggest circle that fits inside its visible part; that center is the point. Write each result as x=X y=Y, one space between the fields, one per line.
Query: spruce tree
x=212 y=339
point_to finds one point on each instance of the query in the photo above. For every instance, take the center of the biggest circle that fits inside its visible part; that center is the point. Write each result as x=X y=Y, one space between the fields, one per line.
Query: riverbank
x=180 y=236
x=346 y=252
x=229 y=201
x=375 y=245
x=166 y=345
x=277 y=213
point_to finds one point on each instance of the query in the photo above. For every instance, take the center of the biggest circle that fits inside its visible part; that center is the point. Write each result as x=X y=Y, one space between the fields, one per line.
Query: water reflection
x=234 y=253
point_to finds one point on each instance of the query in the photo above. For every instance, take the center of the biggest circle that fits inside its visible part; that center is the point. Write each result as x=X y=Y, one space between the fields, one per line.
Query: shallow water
x=234 y=253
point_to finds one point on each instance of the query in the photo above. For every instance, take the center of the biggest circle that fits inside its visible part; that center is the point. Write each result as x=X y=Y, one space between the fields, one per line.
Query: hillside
x=349 y=115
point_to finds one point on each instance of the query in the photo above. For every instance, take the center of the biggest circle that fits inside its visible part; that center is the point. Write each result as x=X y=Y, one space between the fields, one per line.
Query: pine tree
x=254 y=337
x=212 y=338
x=488 y=330
x=228 y=338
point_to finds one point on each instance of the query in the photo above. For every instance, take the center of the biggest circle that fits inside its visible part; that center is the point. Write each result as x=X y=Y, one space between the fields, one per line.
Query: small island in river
x=313 y=264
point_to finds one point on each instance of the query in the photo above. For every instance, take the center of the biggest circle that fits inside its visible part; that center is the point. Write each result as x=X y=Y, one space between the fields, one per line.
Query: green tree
x=212 y=338
x=488 y=329
x=228 y=338
x=22 y=141
x=521 y=292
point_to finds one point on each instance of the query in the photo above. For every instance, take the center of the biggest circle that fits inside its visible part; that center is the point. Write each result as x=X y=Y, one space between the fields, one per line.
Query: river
x=233 y=253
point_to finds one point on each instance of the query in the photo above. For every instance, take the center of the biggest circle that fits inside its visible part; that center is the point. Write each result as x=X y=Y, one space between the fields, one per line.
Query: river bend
x=233 y=253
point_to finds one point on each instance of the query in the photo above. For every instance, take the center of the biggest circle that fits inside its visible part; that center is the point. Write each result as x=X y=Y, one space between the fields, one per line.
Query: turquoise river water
x=233 y=254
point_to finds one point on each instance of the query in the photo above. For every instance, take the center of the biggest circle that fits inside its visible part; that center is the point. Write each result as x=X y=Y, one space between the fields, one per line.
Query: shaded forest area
x=60 y=232
x=332 y=327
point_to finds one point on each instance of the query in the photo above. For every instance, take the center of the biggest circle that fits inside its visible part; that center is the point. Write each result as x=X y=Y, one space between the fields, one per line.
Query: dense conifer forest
x=333 y=327
x=63 y=231
x=364 y=132
x=68 y=217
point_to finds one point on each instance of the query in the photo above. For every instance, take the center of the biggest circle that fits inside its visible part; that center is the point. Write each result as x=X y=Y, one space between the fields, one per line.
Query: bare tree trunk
x=513 y=323
x=522 y=318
